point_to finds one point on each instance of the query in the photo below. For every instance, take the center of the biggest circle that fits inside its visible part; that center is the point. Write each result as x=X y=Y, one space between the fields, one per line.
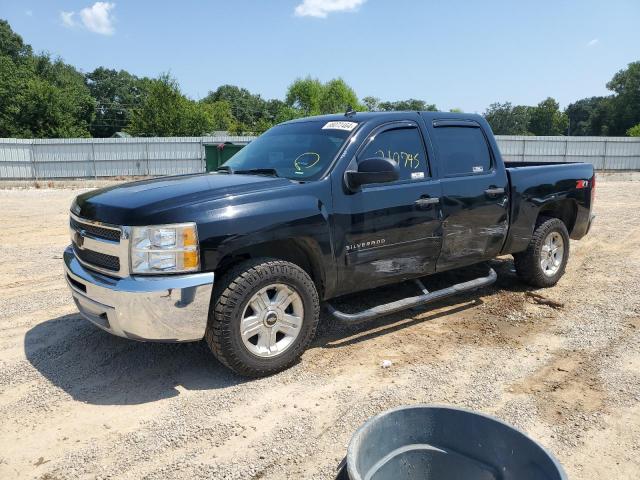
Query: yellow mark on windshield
x=306 y=160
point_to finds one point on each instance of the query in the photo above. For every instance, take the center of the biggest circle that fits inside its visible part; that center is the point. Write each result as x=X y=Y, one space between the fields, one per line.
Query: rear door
x=474 y=194
x=391 y=231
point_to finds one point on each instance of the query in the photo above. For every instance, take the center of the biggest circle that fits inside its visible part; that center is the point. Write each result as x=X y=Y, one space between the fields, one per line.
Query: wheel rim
x=551 y=254
x=272 y=320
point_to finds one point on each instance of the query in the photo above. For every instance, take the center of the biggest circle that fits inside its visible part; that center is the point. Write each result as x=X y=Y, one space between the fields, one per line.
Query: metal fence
x=112 y=157
x=605 y=153
x=105 y=157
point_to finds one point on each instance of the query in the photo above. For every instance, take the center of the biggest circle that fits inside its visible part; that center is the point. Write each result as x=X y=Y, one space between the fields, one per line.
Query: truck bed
x=533 y=184
x=536 y=164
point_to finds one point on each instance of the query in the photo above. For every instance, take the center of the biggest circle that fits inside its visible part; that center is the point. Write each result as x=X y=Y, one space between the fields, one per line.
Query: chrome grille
x=97 y=259
x=100 y=247
x=95 y=230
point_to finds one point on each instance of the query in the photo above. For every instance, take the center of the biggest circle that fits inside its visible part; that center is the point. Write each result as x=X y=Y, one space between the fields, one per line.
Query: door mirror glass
x=373 y=170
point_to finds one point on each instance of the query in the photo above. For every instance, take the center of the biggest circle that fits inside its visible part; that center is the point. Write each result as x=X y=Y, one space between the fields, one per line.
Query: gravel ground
x=563 y=364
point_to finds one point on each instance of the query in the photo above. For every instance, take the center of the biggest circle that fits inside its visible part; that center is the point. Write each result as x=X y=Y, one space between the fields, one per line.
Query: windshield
x=300 y=151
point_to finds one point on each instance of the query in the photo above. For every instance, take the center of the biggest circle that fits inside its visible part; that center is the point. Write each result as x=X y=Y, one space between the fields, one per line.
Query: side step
x=426 y=297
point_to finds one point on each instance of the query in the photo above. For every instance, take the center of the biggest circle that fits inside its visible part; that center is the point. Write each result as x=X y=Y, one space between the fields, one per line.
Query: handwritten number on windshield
x=410 y=160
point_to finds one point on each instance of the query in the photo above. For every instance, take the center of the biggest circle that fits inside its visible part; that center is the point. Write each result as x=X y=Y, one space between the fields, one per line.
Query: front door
x=474 y=195
x=391 y=231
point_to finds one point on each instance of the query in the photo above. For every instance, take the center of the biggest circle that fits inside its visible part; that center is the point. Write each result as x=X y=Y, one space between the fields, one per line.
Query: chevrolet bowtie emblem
x=79 y=239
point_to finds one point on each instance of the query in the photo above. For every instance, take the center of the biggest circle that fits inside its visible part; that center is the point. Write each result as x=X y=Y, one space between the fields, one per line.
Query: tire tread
x=231 y=291
x=527 y=263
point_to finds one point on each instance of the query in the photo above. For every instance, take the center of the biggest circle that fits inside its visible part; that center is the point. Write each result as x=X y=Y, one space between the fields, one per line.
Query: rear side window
x=462 y=150
x=403 y=146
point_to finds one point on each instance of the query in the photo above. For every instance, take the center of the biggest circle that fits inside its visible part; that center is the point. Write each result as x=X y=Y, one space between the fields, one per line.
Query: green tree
x=312 y=97
x=590 y=116
x=337 y=97
x=247 y=109
x=626 y=102
x=43 y=99
x=166 y=112
x=274 y=107
x=13 y=79
x=506 y=119
x=12 y=45
x=40 y=97
x=634 y=131
x=305 y=94
x=50 y=112
x=411 y=104
x=220 y=111
x=547 y=119
x=116 y=94
x=279 y=112
x=286 y=113
x=372 y=104
x=197 y=119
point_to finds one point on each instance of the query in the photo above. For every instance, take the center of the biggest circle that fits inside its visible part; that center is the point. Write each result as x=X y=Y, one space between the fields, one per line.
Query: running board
x=426 y=297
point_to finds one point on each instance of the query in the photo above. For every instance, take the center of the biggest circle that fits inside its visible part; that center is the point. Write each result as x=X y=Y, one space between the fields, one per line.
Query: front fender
x=239 y=226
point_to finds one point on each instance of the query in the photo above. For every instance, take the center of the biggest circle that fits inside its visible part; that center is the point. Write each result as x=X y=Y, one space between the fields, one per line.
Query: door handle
x=424 y=201
x=494 y=191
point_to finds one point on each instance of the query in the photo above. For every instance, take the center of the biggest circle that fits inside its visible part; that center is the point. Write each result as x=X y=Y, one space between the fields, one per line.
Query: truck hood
x=132 y=203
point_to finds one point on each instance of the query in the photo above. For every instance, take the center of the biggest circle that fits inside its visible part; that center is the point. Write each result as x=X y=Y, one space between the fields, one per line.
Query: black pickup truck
x=313 y=209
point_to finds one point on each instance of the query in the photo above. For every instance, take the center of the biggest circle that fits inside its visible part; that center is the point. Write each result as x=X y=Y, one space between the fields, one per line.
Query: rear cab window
x=462 y=150
x=404 y=146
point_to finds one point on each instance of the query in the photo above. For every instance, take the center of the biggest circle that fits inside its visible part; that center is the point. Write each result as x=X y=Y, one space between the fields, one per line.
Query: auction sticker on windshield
x=348 y=126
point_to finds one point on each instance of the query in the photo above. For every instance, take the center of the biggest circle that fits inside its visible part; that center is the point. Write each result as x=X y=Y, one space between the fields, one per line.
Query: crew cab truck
x=313 y=209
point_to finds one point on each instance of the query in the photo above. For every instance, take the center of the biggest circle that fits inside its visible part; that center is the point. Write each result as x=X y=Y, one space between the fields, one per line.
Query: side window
x=462 y=150
x=403 y=146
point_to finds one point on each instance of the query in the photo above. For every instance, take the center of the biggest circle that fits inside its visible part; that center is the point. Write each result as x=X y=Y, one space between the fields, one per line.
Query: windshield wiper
x=225 y=168
x=259 y=171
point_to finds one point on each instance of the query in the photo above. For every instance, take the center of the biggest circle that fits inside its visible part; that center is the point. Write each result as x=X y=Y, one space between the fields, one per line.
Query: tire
x=530 y=265
x=230 y=310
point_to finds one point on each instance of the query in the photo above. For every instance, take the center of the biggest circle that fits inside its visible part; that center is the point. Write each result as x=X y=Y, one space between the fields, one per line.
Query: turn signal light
x=189 y=238
x=190 y=260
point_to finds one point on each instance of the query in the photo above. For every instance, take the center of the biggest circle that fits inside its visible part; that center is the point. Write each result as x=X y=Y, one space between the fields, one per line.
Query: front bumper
x=172 y=308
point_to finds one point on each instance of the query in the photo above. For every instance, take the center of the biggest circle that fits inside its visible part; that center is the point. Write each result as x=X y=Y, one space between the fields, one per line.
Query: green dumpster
x=216 y=154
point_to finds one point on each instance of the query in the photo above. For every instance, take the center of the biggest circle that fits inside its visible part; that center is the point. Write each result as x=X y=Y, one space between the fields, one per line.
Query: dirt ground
x=562 y=364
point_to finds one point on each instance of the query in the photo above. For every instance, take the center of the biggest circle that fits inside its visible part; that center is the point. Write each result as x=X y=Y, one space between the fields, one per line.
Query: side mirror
x=373 y=170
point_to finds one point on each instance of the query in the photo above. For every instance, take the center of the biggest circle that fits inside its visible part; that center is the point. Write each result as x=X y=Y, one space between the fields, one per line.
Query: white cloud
x=67 y=19
x=98 y=18
x=593 y=42
x=322 y=8
x=29 y=13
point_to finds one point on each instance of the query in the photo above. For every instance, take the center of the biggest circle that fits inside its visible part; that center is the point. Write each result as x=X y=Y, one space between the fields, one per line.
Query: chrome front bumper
x=172 y=308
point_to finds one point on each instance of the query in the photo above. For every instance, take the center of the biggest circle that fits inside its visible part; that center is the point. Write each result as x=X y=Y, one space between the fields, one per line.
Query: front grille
x=101 y=260
x=96 y=230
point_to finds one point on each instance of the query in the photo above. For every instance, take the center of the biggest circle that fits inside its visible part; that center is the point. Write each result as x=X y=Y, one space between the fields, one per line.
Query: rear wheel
x=263 y=316
x=544 y=261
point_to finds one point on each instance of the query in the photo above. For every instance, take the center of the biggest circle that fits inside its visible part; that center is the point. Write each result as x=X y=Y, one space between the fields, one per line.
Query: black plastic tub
x=444 y=443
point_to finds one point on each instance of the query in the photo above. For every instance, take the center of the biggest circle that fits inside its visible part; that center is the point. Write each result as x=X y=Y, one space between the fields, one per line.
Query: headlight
x=165 y=249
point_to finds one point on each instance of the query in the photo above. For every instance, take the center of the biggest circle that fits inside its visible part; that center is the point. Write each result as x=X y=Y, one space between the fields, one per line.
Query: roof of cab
x=395 y=115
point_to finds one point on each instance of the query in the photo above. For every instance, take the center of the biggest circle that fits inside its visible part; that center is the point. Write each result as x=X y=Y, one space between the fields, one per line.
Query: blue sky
x=463 y=53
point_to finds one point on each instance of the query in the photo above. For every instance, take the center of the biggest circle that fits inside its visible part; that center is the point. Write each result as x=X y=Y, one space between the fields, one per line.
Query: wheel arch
x=301 y=251
x=565 y=210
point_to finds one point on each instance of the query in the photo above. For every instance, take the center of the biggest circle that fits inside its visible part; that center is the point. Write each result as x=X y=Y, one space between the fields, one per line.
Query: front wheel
x=543 y=263
x=263 y=316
